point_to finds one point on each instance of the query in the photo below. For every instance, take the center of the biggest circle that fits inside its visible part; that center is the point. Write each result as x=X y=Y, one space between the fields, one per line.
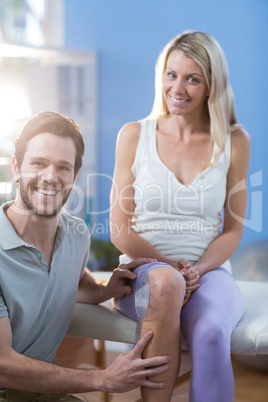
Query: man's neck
x=37 y=231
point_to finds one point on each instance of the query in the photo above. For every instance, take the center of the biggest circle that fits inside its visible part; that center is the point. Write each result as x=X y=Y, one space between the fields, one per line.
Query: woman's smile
x=184 y=85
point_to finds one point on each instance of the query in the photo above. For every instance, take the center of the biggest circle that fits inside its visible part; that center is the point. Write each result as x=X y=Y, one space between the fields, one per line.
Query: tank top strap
x=228 y=146
x=227 y=151
x=225 y=157
x=146 y=142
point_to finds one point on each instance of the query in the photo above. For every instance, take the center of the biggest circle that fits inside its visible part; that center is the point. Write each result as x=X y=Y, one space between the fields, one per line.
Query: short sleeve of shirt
x=86 y=255
x=84 y=263
x=3 y=306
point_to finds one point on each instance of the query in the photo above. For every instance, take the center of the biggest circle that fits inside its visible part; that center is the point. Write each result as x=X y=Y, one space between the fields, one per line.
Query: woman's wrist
x=201 y=268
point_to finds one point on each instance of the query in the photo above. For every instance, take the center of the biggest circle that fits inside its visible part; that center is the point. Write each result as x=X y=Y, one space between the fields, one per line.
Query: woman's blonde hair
x=208 y=54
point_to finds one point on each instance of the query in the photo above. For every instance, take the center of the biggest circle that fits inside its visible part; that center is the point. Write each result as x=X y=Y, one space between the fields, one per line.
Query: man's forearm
x=24 y=373
x=92 y=293
x=128 y=371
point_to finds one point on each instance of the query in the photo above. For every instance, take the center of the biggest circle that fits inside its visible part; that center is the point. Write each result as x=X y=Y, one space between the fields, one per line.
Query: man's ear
x=15 y=169
x=75 y=177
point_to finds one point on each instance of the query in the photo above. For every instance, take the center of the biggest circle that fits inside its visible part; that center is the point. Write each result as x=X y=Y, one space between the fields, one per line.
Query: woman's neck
x=182 y=126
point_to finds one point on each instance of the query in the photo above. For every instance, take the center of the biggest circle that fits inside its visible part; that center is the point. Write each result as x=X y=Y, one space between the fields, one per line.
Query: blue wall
x=128 y=36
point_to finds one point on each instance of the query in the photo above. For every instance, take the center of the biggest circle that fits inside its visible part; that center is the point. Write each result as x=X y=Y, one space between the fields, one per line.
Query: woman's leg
x=207 y=322
x=156 y=305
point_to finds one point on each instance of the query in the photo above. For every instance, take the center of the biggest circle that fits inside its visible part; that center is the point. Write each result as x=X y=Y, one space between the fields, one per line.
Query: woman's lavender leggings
x=207 y=322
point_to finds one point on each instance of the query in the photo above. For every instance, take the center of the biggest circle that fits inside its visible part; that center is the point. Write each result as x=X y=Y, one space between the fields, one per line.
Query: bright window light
x=14 y=106
x=5 y=188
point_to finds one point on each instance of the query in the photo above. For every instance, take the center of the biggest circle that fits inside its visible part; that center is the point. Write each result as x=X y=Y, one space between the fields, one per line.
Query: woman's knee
x=167 y=287
x=212 y=335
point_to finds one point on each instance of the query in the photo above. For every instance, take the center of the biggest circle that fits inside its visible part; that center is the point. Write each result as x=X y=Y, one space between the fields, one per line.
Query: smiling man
x=46 y=181
x=43 y=273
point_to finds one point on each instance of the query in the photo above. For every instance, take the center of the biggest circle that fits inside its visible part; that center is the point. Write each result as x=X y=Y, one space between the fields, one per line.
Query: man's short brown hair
x=54 y=123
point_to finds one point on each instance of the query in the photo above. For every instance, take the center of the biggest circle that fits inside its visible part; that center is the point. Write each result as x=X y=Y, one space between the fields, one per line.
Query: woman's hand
x=190 y=275
x=187 y=297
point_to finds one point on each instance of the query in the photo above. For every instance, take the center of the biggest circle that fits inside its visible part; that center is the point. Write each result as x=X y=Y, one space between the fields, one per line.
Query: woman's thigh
x=136 y=304
x=218 y=302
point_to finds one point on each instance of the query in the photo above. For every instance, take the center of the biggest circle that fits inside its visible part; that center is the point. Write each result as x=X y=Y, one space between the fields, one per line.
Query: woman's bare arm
x=223 y=247
x=122 y=199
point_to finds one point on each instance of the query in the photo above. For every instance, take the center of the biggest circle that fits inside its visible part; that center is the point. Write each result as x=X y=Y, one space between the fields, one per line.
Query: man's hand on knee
x=119 y=283
x=130 y=370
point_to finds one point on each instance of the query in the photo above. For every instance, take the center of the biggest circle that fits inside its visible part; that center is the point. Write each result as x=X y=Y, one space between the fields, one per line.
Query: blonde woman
x=175 y=172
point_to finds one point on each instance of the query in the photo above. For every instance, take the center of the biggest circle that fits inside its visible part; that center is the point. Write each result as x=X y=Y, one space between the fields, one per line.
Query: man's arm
x=92 y=291
x=127 y=372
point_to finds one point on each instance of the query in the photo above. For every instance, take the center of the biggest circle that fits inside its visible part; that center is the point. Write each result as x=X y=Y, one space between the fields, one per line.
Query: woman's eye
x=193 y=80
x=171 y=75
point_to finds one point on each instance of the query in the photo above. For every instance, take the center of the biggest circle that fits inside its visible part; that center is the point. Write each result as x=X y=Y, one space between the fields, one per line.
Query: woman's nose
x=179 y=86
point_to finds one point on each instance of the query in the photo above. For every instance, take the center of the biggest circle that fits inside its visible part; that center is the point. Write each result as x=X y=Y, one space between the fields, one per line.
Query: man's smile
x=49 y=192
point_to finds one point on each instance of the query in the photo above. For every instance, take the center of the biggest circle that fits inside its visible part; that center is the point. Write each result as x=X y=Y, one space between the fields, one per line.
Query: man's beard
x=34 y=211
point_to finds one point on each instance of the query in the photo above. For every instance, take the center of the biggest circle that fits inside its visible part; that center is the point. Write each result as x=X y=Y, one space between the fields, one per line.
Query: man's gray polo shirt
x=39 y=299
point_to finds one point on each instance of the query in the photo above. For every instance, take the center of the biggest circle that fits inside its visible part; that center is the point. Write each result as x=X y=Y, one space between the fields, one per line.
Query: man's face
x=46 y=175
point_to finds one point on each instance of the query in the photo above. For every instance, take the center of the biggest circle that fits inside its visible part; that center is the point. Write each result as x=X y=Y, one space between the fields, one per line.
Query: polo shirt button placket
x=43 y=261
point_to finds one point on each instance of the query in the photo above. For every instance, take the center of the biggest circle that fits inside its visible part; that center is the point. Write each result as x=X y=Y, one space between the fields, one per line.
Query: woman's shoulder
x=240 y=154
x=127 y=142
x=240 y=139
x=130 y=132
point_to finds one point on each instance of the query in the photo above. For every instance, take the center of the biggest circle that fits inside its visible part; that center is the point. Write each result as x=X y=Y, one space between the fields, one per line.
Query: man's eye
x=38 y=164
x=64 y=168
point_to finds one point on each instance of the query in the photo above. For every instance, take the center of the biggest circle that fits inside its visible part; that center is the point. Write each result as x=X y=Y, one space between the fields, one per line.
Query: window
x=37 y=74
x=26 y=26
x=32 y=22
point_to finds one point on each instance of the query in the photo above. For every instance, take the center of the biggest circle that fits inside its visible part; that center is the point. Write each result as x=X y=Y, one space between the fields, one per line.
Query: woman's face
x=184 y=85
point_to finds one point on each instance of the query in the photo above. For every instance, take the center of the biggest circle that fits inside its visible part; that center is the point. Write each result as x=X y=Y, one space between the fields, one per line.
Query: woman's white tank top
x=179 y=221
